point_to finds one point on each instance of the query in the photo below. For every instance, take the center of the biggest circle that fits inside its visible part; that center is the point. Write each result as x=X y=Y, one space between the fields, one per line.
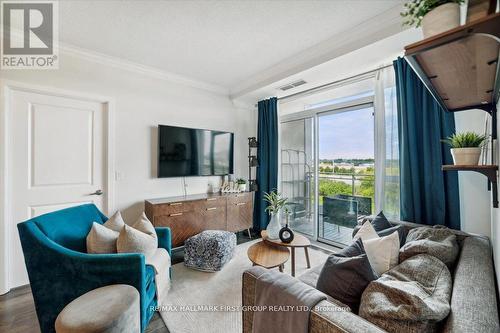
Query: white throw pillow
x=366 y=232
x=115 y=222
x=101 y=239
x=382 y=252
x=139 y=238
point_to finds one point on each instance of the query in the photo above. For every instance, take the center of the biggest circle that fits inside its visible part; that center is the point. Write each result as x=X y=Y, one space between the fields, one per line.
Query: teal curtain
x=267 y=155
x=428 y=195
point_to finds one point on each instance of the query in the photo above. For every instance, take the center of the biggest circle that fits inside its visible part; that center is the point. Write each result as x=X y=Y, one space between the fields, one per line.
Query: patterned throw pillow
x=139 y=238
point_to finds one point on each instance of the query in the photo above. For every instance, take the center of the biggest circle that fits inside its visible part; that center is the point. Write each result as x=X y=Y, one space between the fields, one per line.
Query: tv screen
x=194 y=152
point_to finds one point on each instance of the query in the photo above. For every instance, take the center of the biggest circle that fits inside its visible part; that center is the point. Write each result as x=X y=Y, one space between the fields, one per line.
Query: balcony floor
x=330 y=232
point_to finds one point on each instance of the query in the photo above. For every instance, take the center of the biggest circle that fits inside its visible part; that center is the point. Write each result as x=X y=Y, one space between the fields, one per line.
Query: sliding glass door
x=346 y=171
x=297 y=173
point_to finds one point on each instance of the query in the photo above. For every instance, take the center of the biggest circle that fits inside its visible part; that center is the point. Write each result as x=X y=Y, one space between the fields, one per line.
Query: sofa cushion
x=310 y=277
x=382 y=252
x=345 y=278
x=139 y=238
x=101 y=239
x=438 y=241
x=115 y=222
x=380 y=222
x=412 y=297
x=383 y=227
x=354 y=249
x=366 y=232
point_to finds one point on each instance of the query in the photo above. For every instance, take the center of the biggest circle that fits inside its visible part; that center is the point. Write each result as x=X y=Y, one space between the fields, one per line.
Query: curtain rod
x=331 y=83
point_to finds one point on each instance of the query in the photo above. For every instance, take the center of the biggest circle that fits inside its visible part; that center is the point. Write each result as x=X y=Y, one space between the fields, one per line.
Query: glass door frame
x=318 y=115
x=315 y=113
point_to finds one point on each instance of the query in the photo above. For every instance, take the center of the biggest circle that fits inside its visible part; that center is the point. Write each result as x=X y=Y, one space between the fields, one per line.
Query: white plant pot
x=273 y=228
x=441 y=19
x=242 y=187
x=466 y=156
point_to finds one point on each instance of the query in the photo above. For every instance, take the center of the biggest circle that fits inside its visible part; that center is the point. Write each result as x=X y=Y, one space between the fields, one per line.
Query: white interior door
x=57 y=160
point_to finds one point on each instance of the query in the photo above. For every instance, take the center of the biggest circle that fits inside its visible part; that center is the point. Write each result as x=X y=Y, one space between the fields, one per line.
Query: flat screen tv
x=184 y=152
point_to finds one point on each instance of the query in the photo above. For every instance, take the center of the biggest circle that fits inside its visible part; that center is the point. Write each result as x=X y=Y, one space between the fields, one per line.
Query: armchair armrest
x=164 y=238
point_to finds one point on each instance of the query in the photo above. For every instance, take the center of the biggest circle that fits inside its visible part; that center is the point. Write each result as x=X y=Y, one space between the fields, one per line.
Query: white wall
x=141 y=103
x=475 y=201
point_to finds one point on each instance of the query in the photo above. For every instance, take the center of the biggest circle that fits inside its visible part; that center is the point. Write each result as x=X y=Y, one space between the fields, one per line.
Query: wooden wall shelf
x=460 y=66
x=489 y=171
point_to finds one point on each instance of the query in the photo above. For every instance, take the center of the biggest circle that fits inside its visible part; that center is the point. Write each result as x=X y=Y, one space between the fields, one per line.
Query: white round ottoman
x=110 y=309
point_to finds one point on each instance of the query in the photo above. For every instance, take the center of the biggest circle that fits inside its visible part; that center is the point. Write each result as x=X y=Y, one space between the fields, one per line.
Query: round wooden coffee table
x=298 y=241
x=268 y=256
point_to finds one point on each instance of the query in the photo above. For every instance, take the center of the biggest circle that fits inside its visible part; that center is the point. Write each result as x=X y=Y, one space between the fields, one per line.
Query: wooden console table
x=189 y=215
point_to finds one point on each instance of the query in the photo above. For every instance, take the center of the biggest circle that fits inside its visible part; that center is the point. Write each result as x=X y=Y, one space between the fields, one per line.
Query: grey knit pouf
x=209 y=250
x=110 y=309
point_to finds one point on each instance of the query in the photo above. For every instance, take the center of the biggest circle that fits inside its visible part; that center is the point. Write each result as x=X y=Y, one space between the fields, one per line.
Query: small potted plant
x=435 y=16
x=242 y=184
x=466 y=147
x=275 y=204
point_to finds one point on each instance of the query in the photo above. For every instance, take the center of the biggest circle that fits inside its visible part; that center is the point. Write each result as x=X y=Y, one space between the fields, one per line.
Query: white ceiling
x=224 y=43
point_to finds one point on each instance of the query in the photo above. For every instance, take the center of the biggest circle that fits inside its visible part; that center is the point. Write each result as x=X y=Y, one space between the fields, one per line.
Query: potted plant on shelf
x=435 y=16
x=466 y=147
x=275 y=204
x=242 y=184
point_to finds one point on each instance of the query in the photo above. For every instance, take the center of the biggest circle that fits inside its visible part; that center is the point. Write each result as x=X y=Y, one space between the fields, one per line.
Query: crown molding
x=376 y=28
x=131 y=66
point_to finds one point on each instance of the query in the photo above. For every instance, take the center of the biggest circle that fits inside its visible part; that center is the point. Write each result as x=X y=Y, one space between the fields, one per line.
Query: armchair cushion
x=101 y=239
x=139 y=238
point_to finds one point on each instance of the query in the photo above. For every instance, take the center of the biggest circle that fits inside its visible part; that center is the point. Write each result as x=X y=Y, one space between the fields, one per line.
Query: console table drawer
x=215 y=218
x=182 y=224
x=215 y=202
x=178 y=207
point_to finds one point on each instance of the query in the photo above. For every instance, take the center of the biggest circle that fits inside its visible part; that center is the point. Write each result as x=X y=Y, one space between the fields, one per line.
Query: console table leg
x=293 y=261
x=249 y=234
x=306 y=251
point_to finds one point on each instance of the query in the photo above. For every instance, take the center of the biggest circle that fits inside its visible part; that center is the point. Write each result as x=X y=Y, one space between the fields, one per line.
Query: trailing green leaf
x=415 y=10
x=466 y=140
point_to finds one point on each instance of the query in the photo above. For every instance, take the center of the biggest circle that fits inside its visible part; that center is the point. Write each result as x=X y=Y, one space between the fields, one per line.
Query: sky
x=347 y=135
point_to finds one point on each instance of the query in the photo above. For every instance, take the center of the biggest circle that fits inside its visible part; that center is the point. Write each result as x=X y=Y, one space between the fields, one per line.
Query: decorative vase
x=466 y=156
x=441 y=19
x=273 y=228
x=286 y=234
x=242 y=187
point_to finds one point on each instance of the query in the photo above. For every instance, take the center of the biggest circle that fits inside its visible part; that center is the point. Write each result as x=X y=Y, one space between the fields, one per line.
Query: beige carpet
x=195 y=290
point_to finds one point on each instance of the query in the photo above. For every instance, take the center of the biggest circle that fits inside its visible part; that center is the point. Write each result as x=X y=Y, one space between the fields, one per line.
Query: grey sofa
x=473 y=300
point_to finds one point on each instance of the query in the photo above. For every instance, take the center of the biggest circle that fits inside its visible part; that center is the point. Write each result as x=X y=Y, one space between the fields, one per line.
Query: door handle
x=241 y=204
x=98 y=192
x=211 y=208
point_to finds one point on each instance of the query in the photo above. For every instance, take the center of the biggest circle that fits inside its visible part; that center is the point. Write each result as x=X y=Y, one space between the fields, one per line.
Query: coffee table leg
x=293 y=261
x=307 y=257
x=281 y=268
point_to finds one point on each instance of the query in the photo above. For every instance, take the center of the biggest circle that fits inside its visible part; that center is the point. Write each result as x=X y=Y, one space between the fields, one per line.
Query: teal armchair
x=60 y=270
